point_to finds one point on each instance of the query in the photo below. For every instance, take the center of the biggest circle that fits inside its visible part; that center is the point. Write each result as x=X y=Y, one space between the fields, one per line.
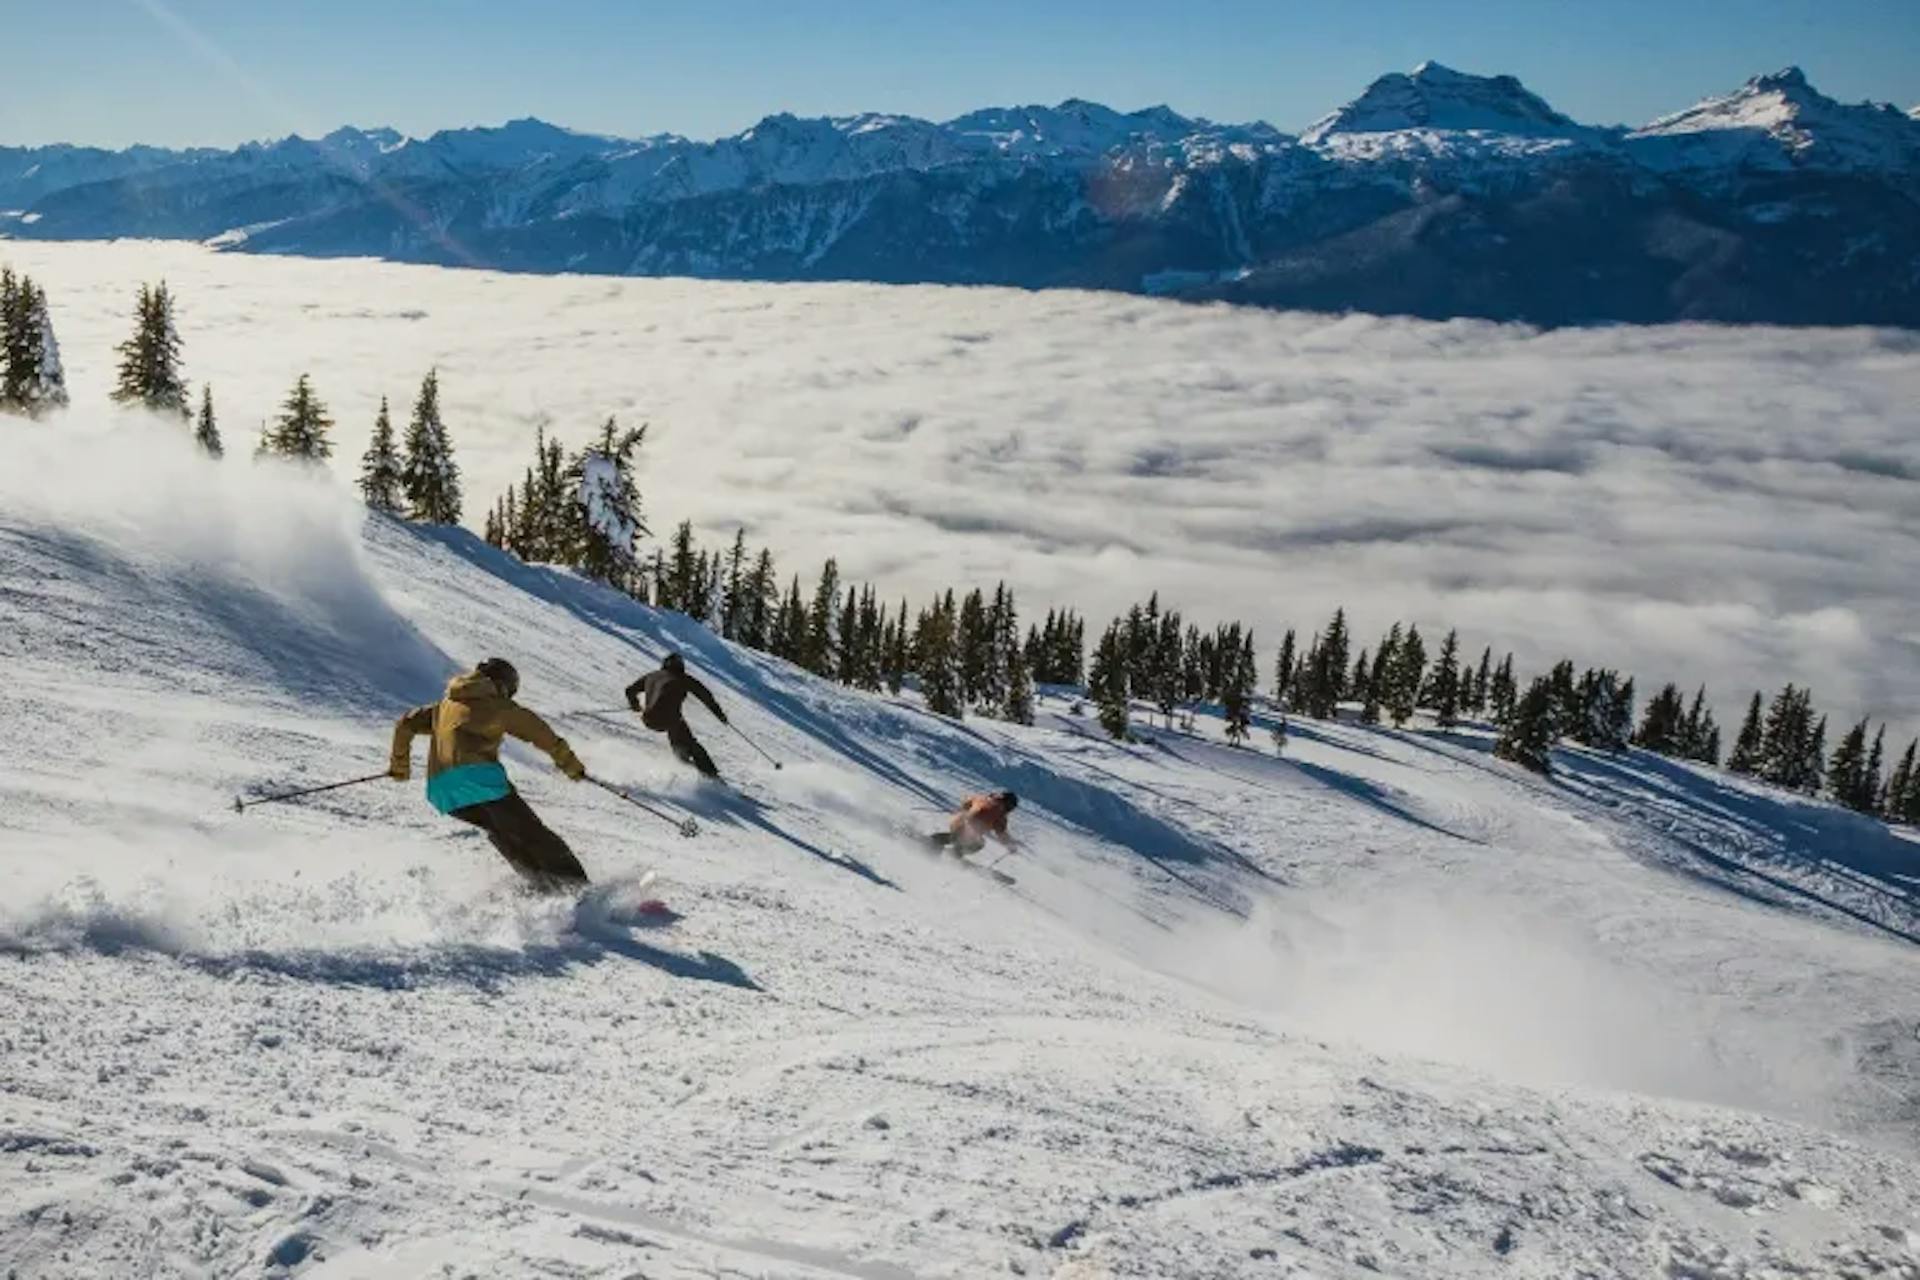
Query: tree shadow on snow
x=718 y=803
x=484 y=968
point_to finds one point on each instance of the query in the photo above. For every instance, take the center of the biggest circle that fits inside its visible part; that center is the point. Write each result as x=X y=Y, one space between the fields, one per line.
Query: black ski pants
x=526 y=842
x=685 y=746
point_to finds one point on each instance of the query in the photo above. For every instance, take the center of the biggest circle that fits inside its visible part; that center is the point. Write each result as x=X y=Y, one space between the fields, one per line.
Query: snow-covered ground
x=1381 y=1006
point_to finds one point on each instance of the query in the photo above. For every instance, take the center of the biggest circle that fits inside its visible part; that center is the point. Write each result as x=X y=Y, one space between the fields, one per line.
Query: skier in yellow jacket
x=465 y=779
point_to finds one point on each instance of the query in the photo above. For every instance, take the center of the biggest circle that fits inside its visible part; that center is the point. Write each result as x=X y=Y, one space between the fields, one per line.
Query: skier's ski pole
x=756 y=746
x=241 y=806
x=686 y=826
x=593 y=711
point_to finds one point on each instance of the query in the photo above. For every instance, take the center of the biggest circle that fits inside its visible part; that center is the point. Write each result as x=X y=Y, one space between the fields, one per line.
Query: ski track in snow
x=1384 y=1006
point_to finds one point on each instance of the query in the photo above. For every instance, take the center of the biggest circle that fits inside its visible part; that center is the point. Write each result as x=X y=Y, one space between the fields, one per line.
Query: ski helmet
x=1009 y=801
x=502 y=673
x=675 y=663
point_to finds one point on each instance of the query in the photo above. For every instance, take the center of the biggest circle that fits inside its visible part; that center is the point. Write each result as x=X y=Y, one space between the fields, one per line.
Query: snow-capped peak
x=1434 y=97
x=1781 y=121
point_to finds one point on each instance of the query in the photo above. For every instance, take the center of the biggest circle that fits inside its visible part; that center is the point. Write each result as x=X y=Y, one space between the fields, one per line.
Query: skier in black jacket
x=658 y=696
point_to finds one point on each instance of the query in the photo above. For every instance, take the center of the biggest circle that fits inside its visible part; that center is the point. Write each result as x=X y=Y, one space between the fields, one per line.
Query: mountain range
x=1434 y=193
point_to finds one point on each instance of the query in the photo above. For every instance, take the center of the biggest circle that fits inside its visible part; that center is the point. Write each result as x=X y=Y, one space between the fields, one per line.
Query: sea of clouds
x=1738 y=506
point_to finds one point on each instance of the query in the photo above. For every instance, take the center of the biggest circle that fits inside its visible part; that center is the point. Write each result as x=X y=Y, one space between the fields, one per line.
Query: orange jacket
x=980 y=817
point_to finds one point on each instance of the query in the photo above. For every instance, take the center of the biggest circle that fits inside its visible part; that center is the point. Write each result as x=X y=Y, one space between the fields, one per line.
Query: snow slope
x=1380 y=1007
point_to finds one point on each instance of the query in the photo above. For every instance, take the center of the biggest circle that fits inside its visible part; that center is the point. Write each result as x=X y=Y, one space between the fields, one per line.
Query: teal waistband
x=466 y=784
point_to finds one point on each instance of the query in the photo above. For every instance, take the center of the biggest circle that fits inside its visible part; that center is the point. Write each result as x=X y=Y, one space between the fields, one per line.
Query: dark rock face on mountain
x=1434 y=193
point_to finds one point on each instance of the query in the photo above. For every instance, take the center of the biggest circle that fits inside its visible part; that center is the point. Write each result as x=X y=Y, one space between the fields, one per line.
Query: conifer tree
x=1380 y=679
x=1565 y=688
x=1107 y=683
x=1503 y=697
x=149 y=372
x=1482 y=684
x=1847 y=774
x=1527 y=736
x=1790 y=745
x=1604 y=720
x=937 y=646
x=605 y=518
x=381 y=486
x=1283 y=690
x=792 y=626
x=1362 y=678
x=818 y=654
x=1874 y=781
x=300 y=432
x=1243 y=678
x=1018 y=706
x=681 y=587
x=32 y=380
x=1893 y=802
x=847 y=668
x=973 y=641
x=1698 y=737
x=1404 y=678
x=1660 y=728
x=1813 y=759
x=733 y=604
x=763 y=594
x=899 y=658
x=431 y=478
x=1749 y=748
x=206 y=431
x=1444 y=687
x=1326 y=676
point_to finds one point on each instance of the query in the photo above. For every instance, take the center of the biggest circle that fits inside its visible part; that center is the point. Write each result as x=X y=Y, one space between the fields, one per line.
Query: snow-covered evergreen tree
x=32 y=380
x=149 y=371
x=607 y=520
x=382 y=485
x=429 y=475
x=206 y=429
x=301 y=430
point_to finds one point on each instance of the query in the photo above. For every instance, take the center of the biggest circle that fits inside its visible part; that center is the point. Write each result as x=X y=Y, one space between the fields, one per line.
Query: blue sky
x=112 y=72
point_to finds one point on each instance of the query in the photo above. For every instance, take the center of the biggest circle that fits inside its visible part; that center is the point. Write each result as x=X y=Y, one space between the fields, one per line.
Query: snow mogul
x=659 y=695
x=465 y=779
x=979 y=817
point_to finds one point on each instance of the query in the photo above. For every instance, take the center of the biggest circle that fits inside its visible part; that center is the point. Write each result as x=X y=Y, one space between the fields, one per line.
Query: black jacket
x=658 y=695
